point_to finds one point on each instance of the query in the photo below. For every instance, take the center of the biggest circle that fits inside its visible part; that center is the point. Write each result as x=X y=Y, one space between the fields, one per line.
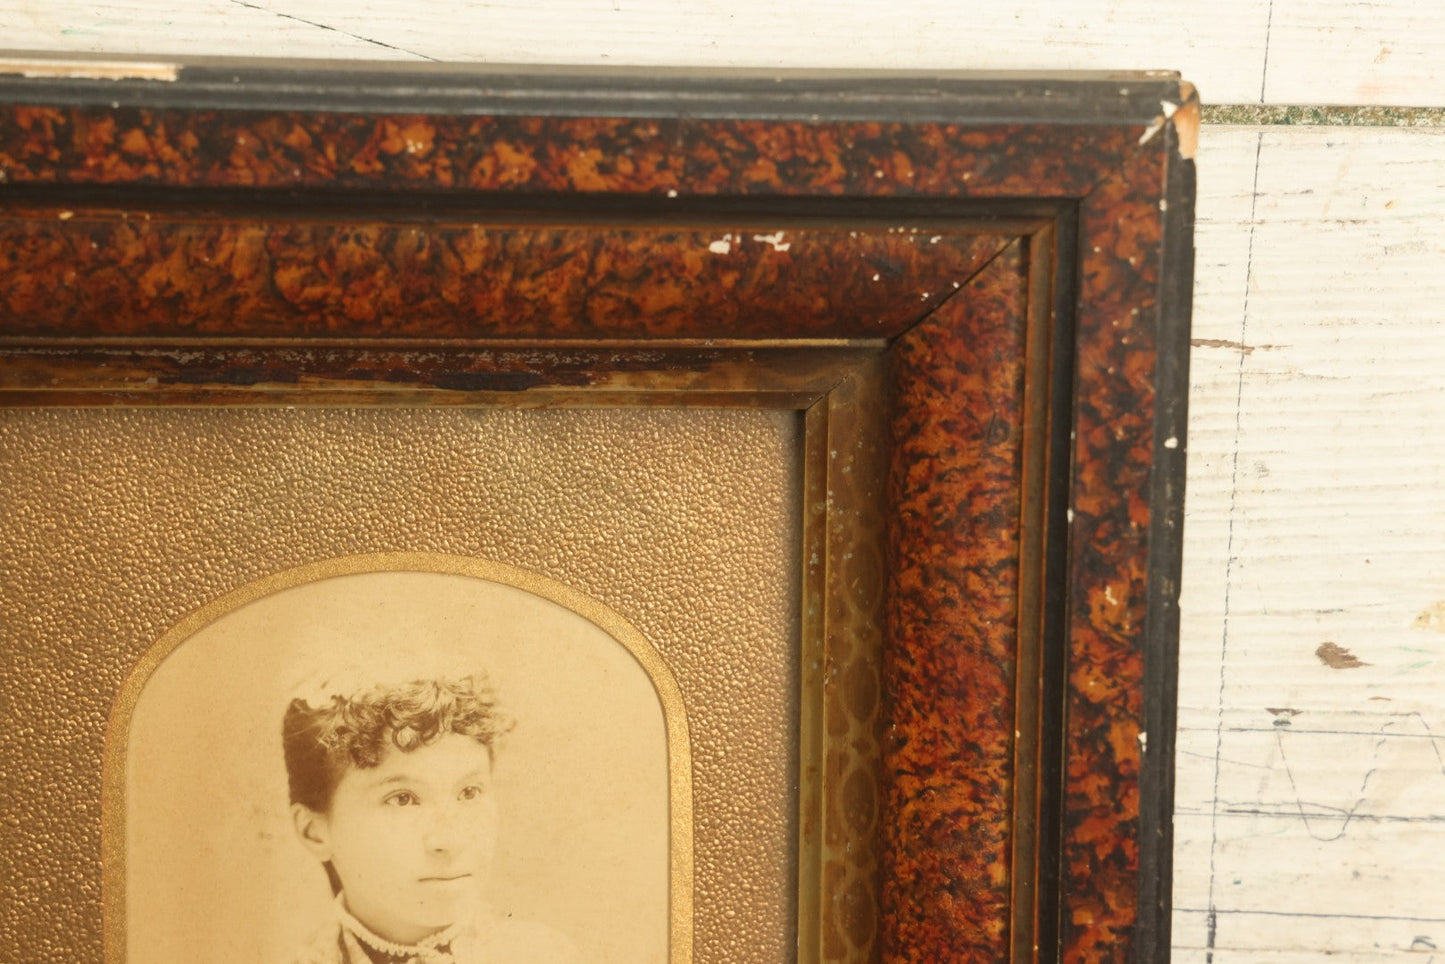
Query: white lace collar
x=425 y=949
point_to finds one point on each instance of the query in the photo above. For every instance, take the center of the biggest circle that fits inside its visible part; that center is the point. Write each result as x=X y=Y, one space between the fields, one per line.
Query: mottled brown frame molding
x=975 y=288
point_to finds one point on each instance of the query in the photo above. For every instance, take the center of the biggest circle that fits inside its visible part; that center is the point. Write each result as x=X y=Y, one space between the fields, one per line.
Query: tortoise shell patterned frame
x=976 y=288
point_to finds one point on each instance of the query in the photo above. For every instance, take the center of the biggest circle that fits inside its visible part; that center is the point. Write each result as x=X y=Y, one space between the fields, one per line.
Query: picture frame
x=973 y=289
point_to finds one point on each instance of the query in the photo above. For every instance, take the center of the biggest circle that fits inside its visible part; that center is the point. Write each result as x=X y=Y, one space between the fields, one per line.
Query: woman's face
x=411 y=838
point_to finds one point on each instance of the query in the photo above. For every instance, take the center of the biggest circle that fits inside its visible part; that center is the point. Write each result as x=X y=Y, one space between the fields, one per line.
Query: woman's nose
x=443 y=829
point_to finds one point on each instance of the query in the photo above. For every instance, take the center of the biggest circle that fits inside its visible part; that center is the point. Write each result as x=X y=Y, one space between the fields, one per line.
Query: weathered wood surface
x=1237 y=51
x=1311 y=767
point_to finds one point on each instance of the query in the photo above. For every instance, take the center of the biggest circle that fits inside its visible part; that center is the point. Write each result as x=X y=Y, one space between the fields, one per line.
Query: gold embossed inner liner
x=119 y=522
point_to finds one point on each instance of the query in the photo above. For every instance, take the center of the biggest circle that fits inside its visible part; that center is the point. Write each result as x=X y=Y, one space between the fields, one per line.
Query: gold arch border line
x=674 y=712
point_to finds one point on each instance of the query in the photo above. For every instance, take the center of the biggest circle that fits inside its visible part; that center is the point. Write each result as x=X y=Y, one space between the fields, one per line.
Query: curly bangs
x=322 y=743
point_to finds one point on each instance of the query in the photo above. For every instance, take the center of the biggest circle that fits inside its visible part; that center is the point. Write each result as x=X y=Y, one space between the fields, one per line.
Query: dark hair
x=322 y=742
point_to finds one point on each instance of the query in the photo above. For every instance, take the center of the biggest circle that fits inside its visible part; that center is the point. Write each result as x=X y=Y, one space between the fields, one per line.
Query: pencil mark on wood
x=1264 y=67
x=1323 y=810
x=323 y=26
x=1310 y=915
x=1229 y=552
x=1233 y=763
x=1364 y=804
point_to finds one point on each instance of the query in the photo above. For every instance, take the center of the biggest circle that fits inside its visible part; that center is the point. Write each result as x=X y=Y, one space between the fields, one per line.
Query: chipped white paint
x=75 y=69
x=721 y=246
x=775 y=240
x=1153 y=129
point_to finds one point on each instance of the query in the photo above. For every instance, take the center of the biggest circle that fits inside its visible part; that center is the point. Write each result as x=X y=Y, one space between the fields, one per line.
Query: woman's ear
x=314 y=829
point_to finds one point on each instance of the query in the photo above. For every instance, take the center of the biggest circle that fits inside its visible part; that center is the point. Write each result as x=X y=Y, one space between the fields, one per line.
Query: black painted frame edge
x=1164 y=569
x=1095 y=97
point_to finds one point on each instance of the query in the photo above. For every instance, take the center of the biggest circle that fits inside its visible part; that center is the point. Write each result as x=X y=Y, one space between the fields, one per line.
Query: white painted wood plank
x=1319 y=51
x=1330 y=808
x=1357 y=52
x=1220 y=46
x=1246 y=900
x=210 y=27
x=1226 y=161
x=1191 y=879
x=1386 y=768
x=1340 y=512
x=1256 y=938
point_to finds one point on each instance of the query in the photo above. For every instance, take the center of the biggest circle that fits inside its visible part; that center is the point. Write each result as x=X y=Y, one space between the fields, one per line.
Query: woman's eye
x=402 y=798
x=471 y=792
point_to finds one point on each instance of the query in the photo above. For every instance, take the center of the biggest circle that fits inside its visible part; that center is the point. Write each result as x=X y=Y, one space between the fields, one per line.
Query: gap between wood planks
x=1321 y=115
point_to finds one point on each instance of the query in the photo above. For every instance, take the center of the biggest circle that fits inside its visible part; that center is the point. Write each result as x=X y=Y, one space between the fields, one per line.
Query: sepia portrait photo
x=408 y=759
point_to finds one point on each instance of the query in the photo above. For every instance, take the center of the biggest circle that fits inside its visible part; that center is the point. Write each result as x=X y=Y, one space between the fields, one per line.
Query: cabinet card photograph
x=400 y=758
